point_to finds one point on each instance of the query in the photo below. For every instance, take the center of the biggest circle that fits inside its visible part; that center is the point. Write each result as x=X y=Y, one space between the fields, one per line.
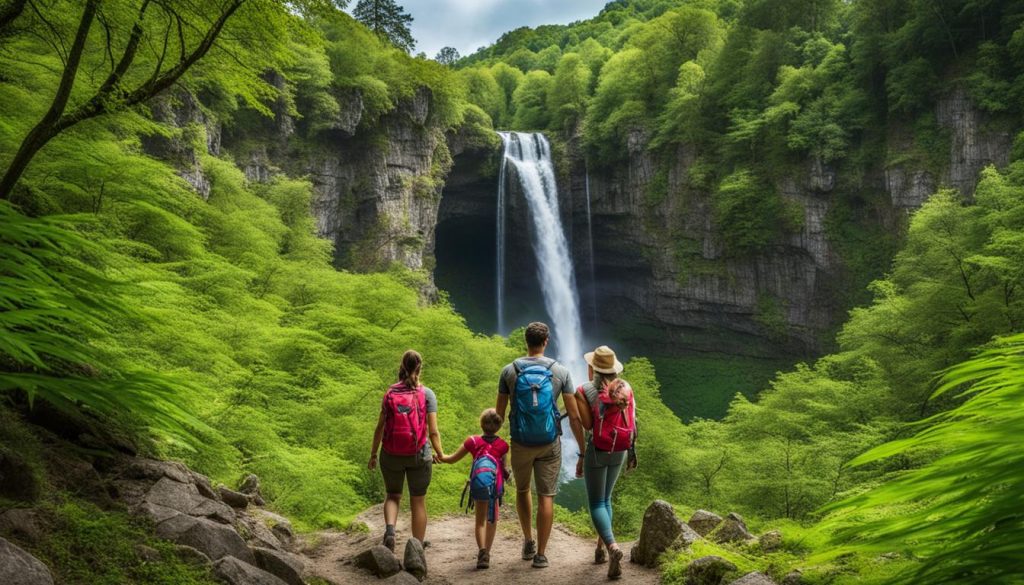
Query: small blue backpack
x=535 y=416
x=486 y=483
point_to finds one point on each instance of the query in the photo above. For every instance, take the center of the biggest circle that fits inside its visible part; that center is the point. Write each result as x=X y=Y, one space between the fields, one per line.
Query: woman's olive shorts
x=397 y=469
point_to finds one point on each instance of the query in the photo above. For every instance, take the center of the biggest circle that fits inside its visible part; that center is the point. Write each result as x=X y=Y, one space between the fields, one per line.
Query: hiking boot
x=615 y=563
x=540 y=561
x=389 y=542
x=483 y=559
x=529 y=550
x=600 y=556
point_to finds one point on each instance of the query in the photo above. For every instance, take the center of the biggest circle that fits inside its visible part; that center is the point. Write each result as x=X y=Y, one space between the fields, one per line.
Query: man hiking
x=532 y=386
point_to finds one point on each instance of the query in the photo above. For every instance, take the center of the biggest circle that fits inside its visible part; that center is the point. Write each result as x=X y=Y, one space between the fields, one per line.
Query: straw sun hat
x=603 y=360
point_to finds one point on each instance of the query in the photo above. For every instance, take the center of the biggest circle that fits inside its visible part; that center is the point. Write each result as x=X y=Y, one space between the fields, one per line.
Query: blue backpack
x=535 y=416
x=485 y=483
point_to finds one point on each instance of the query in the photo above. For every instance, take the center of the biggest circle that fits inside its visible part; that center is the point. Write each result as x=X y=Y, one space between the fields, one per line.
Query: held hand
x=631 y=461
x=372 y=463
x=579 y=467
x=439 y=458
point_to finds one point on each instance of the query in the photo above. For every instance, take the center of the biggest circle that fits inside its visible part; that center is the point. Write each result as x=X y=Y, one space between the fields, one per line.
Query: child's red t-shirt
x=478 y=444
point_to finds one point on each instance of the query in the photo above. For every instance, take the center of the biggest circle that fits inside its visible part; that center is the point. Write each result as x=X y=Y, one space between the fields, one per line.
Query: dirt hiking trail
x=451 y=556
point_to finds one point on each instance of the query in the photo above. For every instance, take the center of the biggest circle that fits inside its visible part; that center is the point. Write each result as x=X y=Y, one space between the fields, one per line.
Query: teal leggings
x=600 y=472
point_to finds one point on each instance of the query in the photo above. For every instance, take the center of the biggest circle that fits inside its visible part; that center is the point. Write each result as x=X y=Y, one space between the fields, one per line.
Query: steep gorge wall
x=660 y=260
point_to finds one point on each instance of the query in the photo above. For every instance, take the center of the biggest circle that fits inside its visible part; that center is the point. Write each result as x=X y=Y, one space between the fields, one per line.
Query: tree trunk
x=46 y=128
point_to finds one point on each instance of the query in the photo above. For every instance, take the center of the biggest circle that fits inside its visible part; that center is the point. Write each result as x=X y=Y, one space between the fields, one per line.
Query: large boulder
x=234 y=572
x=186 y=498
x=191 y=556
x=17 y=567
x=754 y=578
x=280 y=527
x=709 y=570
x=233 y=498
x=153 y=469
x=770 y=541
x=661 y=530
x=378 y=560
x=703 y=522
x=285 y=566
x=415 y=561
x=24 y=523
x=732 y=529
x=211 y=538
x=18 y=478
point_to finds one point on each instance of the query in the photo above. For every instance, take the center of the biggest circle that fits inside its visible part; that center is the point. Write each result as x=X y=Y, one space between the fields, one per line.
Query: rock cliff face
x=659 y=259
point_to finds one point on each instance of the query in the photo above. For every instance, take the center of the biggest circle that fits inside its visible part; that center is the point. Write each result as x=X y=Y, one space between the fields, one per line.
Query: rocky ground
x=451 y=556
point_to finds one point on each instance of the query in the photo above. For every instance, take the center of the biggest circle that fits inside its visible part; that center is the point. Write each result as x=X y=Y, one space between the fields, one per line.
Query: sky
x=468 y=25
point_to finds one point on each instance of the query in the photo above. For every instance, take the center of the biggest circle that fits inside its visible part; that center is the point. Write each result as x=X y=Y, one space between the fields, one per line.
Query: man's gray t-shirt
x=561 y=381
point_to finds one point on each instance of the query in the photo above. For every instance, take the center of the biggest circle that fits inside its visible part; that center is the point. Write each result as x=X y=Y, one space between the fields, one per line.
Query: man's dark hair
x=536 y=334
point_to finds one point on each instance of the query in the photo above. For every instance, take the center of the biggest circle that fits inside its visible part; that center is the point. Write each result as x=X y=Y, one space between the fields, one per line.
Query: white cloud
x=470 y=24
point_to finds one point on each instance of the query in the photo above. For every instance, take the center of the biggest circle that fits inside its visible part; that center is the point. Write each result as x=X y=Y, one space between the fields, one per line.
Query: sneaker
x=483 y=559
x=529 y=550
x=600 y=556
x=389 y=542
x=614 y=565
x=540 y=561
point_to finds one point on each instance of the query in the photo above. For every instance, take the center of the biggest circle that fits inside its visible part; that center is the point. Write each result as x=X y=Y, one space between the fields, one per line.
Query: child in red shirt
x=484 y=448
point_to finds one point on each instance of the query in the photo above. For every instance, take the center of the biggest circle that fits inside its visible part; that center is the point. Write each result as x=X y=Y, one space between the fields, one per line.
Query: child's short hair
x=490 y=421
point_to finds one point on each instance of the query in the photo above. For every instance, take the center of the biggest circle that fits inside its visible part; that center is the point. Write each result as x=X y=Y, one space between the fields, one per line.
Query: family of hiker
x=602 y=416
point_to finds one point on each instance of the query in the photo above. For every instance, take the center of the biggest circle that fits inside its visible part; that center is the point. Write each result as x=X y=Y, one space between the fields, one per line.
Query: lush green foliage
x=960 y=513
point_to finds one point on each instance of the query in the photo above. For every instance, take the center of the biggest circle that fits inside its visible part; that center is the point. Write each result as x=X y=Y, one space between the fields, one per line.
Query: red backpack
x=405 y=419
x=614 y=426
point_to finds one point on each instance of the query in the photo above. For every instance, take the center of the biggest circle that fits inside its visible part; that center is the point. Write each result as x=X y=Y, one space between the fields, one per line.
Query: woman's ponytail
x=409 y=370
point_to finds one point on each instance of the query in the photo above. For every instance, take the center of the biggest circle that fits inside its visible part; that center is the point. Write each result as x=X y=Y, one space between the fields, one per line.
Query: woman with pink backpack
x=608 y=412
x=408 y=418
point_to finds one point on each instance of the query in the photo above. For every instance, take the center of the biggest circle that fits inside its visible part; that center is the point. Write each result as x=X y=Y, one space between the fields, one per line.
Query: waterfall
x=530 y=154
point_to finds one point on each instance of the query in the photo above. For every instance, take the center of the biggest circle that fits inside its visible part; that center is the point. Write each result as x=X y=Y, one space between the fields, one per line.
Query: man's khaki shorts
x=543 y=464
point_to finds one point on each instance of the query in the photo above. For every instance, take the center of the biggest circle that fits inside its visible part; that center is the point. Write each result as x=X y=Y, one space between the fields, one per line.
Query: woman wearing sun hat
x=608 y=412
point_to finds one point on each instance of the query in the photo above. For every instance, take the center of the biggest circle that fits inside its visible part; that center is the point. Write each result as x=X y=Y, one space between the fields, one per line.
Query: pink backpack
x=614 y=426
x=405 y=420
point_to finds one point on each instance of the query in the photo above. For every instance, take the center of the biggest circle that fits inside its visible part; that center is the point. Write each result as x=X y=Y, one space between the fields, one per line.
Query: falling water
x=530 y=154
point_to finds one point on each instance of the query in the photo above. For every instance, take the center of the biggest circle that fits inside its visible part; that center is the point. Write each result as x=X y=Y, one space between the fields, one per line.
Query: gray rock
x=732 y=529
x=204 y=486
x=280 y=526
x=211 y=538
x=770 y=541
x=235 y=572
x=189 y=555
x=214 y=510
x=414 y=561
x=378 y=560
x=709 y=570
x=256 y=532
x=147 y=553
x=286 y=566
x=156 y=513
x=187 y=499
x=17 y=567
x=401 y=578
x=794 y=577
x=233 y=498
x=250 y=485
x=661 y=530
x=23 y=523
x=153 y=469
x=754 y=578
x=703 y=522
x=18 y=479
